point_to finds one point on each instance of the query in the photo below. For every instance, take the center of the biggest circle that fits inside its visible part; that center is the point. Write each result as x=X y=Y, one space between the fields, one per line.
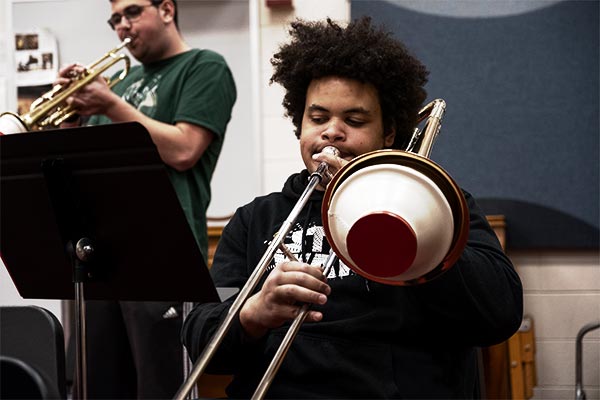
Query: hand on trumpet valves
x=69 y=74
x=95 y=97
x=287 y=287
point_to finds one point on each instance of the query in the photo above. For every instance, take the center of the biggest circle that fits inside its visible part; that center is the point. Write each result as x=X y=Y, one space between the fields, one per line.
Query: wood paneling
x=509 y=367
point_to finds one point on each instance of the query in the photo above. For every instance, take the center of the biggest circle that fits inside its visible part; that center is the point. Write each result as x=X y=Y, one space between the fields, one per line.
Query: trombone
x=415 y=157
x=51 y=109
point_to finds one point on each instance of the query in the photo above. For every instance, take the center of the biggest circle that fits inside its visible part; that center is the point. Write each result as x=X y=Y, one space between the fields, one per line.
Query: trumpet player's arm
x=480 y=299
x=182 y=140
x=179 y=145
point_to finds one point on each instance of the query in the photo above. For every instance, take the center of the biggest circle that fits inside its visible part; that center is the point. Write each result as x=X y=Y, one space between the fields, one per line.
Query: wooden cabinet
x=214 y=234
x=213 y=386
x=509 y=367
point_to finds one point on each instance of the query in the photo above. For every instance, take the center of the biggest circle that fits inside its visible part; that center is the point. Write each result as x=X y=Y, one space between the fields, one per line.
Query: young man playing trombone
x=355 y=88
x=184 y=98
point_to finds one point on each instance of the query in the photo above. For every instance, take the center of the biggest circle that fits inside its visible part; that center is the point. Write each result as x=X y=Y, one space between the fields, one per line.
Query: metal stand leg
x=187 y=363
x=82 y=254
x=80 y=344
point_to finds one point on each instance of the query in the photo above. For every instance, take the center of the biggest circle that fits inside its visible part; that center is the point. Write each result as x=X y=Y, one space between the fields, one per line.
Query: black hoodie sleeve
x=480 y=299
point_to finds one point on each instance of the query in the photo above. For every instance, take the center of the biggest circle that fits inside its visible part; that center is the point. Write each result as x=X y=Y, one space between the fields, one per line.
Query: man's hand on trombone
x=287 y=287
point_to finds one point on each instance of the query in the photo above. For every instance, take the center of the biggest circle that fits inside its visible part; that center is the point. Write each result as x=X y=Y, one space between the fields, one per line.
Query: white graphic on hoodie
x=315 y=250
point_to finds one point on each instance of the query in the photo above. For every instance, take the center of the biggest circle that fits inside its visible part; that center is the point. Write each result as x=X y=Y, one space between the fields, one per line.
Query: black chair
x=19 y=380
x=32 y=350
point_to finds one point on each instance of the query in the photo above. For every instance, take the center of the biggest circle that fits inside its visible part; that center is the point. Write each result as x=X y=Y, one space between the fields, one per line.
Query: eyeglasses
x=132 y=13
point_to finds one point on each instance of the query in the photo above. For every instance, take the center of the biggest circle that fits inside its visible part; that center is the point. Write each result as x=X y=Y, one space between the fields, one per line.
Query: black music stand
x=93 y=208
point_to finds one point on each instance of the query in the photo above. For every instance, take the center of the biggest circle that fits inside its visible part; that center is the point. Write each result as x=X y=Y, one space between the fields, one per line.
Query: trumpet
x=51 y=109
x=397 y=223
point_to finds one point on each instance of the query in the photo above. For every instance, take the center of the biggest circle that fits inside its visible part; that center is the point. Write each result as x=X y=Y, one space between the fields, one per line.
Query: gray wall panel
x=521 y=128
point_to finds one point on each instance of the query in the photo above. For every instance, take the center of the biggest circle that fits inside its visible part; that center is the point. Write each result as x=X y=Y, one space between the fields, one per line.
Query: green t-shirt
x=195 y=87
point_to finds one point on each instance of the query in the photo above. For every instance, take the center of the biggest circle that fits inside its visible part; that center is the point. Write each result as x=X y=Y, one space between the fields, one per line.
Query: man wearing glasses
x=184 y=98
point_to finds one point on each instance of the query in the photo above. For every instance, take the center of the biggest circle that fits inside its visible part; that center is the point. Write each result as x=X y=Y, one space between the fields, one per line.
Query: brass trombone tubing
x=434 y=112
x=212 y=346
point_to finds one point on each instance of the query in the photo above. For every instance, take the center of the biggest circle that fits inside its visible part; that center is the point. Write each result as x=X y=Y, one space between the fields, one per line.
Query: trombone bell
x=395 y=217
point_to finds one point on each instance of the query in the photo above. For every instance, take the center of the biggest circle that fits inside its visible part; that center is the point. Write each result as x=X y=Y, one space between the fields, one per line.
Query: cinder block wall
x=562 y=294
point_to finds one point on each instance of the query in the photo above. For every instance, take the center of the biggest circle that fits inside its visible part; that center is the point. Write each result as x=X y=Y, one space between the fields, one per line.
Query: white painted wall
x=280 y=150
x=7 y=90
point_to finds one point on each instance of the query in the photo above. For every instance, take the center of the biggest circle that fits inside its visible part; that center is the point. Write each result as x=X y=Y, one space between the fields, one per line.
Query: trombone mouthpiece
x=323 y=169
x=331 y=150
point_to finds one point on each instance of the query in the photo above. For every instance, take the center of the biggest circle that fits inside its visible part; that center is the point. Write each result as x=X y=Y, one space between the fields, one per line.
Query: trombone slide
x=211 y=348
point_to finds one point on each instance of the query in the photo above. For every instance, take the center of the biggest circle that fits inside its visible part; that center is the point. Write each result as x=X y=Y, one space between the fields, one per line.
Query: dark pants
x=133 y=352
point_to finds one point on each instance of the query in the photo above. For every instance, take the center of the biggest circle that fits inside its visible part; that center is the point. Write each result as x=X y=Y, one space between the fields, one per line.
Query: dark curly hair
x=358 y=51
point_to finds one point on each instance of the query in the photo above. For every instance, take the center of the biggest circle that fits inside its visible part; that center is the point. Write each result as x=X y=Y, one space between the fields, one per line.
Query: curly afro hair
x=360 y=52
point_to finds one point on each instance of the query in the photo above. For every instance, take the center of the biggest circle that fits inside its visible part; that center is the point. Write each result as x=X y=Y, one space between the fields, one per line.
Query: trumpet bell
x=395 y=217
x=11 y=123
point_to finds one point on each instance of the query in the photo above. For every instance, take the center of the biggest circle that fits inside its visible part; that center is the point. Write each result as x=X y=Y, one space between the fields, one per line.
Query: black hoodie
x=375 y=340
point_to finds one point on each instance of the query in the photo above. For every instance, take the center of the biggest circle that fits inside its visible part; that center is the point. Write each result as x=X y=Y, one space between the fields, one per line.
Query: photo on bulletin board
x=36 y=58
x=27 y=95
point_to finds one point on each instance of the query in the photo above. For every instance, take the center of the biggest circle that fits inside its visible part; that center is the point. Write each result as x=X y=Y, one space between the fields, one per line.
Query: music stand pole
x=72 y=222
x=80 y=352
x=84 y=251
